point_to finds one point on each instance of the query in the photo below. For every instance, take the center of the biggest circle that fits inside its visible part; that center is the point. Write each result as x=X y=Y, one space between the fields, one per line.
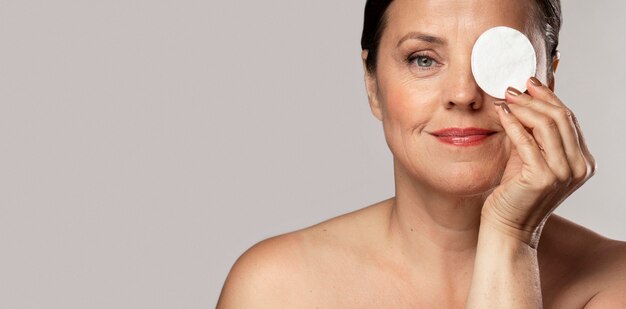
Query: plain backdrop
x=146 y=144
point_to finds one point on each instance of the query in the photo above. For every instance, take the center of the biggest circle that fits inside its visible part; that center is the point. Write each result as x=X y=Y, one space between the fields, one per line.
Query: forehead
x=456 y=20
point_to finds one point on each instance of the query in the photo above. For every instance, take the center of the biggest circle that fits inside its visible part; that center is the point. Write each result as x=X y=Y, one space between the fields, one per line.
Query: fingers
x=536 y=89
x=556 y=109
x=591 y=161
x=545 y=130
x=550 y=120
x=554 y=132
x=523 y=141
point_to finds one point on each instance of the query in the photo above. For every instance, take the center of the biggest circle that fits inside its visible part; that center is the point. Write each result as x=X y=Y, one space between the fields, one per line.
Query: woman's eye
x=422 y=64
x=423 y=61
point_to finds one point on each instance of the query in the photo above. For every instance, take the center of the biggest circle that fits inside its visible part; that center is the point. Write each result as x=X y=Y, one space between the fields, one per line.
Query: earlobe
x=555 y=61
x=371 y=86
x=555 y=65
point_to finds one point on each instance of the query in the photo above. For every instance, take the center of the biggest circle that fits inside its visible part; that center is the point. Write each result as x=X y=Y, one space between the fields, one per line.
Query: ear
x=555 y=64
x=371 y=86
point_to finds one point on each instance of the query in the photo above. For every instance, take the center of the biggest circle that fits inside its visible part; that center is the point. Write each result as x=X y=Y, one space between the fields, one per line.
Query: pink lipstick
x=462 y=136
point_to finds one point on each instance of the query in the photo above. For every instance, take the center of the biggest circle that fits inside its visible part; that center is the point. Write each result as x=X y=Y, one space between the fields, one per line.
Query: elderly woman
x=471 y=224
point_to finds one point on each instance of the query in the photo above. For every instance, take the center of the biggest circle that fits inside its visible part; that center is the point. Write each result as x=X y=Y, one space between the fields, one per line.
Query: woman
x=471 y=223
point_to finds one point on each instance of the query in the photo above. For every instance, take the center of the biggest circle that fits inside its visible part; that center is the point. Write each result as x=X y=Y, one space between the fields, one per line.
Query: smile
x=462 y=136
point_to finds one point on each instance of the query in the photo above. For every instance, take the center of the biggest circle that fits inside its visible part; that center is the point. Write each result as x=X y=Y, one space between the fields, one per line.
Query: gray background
x=146 y=144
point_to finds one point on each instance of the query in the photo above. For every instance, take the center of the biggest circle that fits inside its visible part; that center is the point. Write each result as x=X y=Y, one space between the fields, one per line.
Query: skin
x=468 y=227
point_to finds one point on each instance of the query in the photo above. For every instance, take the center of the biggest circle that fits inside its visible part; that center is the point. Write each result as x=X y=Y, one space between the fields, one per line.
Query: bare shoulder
x=253 y=278
x=581 y=267
x=607 y=267
x=284 y=270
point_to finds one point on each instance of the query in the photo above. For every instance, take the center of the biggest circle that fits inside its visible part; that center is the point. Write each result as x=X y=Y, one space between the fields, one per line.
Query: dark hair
x=548 y=17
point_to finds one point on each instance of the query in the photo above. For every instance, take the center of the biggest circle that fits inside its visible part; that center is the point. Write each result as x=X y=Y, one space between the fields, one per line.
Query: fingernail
x=512 y=91
x=503 y=105
x=535 y=81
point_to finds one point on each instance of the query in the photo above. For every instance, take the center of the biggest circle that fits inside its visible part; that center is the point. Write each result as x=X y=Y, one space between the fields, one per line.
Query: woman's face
x=423 y=84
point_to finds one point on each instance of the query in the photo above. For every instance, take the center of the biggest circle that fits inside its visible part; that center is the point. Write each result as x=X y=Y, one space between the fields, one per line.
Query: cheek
x=407 y=111
x=409 y=108
x=542 y=70
x=409 y=104
x=542 y=61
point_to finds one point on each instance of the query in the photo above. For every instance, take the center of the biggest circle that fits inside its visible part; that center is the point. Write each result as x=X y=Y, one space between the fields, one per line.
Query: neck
x=434 y=228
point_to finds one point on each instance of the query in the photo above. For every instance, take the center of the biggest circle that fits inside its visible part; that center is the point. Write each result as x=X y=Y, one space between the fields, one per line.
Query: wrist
x=505 y=234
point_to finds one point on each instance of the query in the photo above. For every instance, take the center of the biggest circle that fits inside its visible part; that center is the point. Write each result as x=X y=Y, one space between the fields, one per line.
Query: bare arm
x=506 y=273
x=548 y=162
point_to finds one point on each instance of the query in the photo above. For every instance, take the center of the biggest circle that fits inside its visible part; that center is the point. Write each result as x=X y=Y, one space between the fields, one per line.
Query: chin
x=468 y=182
x=467 y=189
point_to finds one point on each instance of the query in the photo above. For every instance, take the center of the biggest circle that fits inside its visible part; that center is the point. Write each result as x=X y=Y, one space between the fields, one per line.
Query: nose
x=462 y=92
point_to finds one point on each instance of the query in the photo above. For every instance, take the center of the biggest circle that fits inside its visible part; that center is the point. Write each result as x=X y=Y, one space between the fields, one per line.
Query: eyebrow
x=422 y=37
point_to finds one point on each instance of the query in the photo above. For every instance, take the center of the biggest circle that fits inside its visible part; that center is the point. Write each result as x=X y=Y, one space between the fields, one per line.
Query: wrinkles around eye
x=423 y=64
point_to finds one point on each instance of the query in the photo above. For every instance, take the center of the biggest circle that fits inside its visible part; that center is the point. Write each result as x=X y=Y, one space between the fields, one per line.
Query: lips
x=463 y=136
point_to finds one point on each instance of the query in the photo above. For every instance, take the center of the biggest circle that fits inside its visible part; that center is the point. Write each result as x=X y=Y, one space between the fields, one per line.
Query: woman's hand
x=550 y=160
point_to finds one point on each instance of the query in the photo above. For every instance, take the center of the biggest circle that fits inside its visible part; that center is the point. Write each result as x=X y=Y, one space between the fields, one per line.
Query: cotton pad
x=503 y=57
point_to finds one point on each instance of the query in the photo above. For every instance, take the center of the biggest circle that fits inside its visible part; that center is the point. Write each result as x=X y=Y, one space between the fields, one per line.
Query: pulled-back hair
x=548 y=20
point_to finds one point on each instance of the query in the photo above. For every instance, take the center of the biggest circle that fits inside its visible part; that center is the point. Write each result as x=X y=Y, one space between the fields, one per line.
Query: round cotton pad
x=503 y=57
